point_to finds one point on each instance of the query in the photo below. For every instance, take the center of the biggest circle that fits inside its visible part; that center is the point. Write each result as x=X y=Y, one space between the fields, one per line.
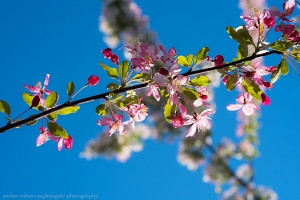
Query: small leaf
x=190 y=93
x=101 y=110
x=240 y=34
x=242 y=51
x=141 y=77
x=252 y=88
x=123 y=69
x=31 y=123
x=57 y=130
x=284 y=67
x=231 y=81
x=199 y=81
x=169 y=110
x=275 y=74
x=67 y=110
x=182 y=61
x=111 y=72
x=51 y=99
x=70 y=88
x=189 y=59
x=201 y=55
x=52 y=116
x=112 y=86
x=282 y=46
x=4 y=107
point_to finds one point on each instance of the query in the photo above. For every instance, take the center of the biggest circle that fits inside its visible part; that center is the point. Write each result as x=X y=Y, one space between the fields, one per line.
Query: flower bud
x=219 y=59
x=163 y=71
x=93 y=80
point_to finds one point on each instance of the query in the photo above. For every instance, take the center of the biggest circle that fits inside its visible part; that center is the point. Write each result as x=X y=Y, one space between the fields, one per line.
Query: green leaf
x=67 y=110
x=123 y=69
x=169 y=110
x=111 y=72
x=275 y=74
x=101 y=109
x=4 y=107
x=252 y=88
x=282 y=46
x=52 y=116
x=189 y=59
x=242 y=51
x=201 y=55
x=31 y=123
x=70 y=88
x=164 y=93
x=51 y=100
x=141 y=77
x=240 y=34
x=199 y=81
x=57 y=130
x=284 y=67
x=182 y=61
x=190 y=93
x=27 y=98
x=112 y=86
x=231 y=81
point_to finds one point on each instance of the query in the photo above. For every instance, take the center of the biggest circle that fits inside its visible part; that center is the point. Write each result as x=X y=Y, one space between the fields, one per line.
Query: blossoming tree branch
x=183 y=94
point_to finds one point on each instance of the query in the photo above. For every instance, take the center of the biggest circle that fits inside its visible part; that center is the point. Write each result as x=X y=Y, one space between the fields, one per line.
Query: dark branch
x=121 y=90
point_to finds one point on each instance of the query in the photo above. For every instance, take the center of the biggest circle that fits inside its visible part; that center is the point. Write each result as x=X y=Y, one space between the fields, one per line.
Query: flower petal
x=233 y=107
x=105 y=121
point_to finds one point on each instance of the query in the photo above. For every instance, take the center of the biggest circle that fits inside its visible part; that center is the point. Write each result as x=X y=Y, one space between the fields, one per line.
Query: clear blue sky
x=62 y=38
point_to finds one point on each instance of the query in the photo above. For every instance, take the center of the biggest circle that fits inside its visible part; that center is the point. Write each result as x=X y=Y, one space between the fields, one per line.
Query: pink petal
x=122 y=130
x=197 y=103
x=160 y=79
x=47 y=92
x=60 y=144
x=32 y=88
x=105 y=121
x=248 y=109
x=254 y=106
x=162 y=48
x=192 y=130
x=207 y=112
x=274 y=12
x=68 y=143
x=152 y=50
x=138 y=62
x=46 y=80
x=233 y=107
x=182 y=79
x=51 y=136
x=240 y=99
x=41 y=139
x=174 y=69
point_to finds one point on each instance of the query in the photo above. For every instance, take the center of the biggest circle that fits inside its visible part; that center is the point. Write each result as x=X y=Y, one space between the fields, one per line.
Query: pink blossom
x=177 y=120
x=244 y=103
x=219 y=59
x=109 y=54
x=203 y=95
x=138 y=111
x=68 y=143
x=168 y=56
x=288 y=8
x=114 y=124
x=257 y=73
x=147 y=57
x=269 y=21
x=38 y=90
x=265 y=99
x=44 y=136
x=253 y=21
x=199 y=122
x=154 y=90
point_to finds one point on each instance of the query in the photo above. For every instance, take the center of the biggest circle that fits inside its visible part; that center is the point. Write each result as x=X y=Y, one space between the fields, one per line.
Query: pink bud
x=107 y=53
x=68 y=143
x=269 y=22
x=114 y=58
x=265 y=100
x=93 y=80
x=35 y=101
x=219 y=59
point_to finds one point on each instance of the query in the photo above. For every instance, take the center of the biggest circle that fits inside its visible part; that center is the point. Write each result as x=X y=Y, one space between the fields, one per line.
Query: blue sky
x=62 y=38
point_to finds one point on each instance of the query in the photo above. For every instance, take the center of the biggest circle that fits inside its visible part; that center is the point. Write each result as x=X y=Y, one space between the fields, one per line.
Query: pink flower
x=114 y=124
x=154 y=91
x=203 y=95
x=68 y=143
x=258 y=72
x=265 y=99
x=199 y=122
x=252 y=21
x=93 y=80
x=38 y=90
x=173 y=84
x=288 y=8
x=138 y=112
x=147 y=57
x=244 y=103
x=177 y=120
x=269 y=21
x=44 y=136
x=168 y=56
